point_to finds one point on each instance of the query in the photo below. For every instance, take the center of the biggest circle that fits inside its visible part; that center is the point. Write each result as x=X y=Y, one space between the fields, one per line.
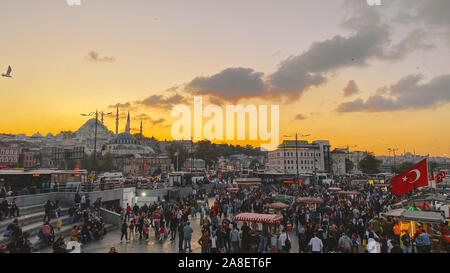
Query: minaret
x=141 y=130
x=102 y=117
x=117 y=120
x=127 y=127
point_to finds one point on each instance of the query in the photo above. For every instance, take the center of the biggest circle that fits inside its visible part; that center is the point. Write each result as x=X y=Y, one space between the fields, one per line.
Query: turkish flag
x=431 y=176
x=440 y=177
x=413 y=178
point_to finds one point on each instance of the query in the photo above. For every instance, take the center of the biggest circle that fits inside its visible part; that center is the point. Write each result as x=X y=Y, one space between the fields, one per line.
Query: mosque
x=125 y=144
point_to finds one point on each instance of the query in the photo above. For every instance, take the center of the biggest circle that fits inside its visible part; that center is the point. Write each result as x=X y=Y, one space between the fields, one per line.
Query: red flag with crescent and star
x=413 y=178
x=440 y=177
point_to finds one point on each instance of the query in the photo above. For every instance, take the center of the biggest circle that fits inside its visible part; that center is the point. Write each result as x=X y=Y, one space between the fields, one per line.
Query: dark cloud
x=300 y=117
x=120 y=105
x=231 y=84
x=145 y=117
x=351 y=89
x=416 y=40
x=94 y=56
x=163 y=101
x=407 y=94
x=430 y=13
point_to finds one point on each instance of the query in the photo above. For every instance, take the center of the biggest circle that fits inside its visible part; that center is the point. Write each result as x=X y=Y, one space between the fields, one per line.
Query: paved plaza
x=136 y=245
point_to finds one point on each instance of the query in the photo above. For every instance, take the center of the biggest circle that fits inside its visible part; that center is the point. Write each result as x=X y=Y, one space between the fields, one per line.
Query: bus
x=42 y=180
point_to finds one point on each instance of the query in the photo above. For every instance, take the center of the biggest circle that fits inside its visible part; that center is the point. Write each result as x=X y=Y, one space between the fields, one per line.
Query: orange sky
x=47 y=46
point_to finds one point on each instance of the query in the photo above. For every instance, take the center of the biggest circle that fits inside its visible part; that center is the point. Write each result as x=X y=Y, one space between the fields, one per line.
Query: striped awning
x=310 y=200
x=334 y=189
x=258 y=218
x=277 y=205
x=348 y=192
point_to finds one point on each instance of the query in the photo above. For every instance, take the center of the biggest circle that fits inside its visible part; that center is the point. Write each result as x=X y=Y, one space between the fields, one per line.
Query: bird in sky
x=8 y=73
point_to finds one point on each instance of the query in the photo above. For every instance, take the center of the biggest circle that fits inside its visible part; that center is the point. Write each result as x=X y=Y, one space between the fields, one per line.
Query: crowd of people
x=351 y=223
x=88 y=226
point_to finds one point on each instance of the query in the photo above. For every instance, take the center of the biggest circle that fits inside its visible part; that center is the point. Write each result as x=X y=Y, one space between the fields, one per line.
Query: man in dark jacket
x=48 y=209
x=5 y=207
x=181 y=236
x=173 y=227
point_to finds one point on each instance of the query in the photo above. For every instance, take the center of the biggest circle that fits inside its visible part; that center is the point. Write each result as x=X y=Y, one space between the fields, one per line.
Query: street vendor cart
x=311 y=201
x=263 y=219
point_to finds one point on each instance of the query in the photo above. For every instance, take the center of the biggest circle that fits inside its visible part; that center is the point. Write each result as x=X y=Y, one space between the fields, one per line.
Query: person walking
x=345 y=243
x=188 y=236
x=205 y=242
x=234 y=237
x=406 y=240
x=426 y=241
x=285 y=241
x=124 y=231
x=48 y=210
x=315 y=244
x=180 y=236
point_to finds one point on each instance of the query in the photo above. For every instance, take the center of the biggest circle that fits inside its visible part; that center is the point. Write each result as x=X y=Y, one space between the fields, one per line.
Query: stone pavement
x=152 y=246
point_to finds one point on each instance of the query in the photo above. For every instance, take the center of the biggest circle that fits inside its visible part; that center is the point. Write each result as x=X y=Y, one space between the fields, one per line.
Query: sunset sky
x=376 y=77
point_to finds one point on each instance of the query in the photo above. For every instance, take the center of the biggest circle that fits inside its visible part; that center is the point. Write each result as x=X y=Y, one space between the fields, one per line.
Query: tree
x=254 y=164
x=206 y=151
x=349 y=165
x=369 y=164
x=108 y=162
x=403 y=167
x=182 y=154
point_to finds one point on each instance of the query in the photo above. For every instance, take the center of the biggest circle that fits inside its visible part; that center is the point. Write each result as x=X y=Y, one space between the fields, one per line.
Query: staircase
x=31 y=220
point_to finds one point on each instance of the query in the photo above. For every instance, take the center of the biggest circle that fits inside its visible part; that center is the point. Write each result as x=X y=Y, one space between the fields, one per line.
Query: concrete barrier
x=111 y=217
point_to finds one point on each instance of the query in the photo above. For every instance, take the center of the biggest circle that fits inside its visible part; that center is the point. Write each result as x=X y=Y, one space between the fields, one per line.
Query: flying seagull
x=8 y=72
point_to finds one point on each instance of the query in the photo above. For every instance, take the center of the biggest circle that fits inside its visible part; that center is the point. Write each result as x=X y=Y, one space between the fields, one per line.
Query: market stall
x=334 y=189
x=310 y=201
x=284 y=198
x=255 y=219
x=277 y=205
x=247 y=183
x=410 y=221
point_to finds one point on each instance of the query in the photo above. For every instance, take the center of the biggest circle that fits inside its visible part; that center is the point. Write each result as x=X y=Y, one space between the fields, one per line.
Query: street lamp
x=296 y=153
x=96 y=121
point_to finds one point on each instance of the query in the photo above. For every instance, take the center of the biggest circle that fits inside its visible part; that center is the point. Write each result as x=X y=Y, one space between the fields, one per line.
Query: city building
x=312 y=157
x=146 y=165
x=194 y=164
x=9 y=154
x=57 y=156
x=338 y=157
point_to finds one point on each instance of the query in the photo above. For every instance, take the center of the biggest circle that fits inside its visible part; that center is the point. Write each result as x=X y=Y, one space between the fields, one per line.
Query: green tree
x=89 y=163
x=206 y=151
x=108 y=162
x=369 y=164
x=403 y=167
x=183 y=154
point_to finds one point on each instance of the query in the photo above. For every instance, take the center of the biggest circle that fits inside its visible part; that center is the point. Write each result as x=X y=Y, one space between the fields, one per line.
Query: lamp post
x=296 y=154
x=95 y=131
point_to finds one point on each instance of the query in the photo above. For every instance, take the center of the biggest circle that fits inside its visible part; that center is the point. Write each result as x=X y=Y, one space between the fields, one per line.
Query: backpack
x=347 y=245
x=287 y=243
